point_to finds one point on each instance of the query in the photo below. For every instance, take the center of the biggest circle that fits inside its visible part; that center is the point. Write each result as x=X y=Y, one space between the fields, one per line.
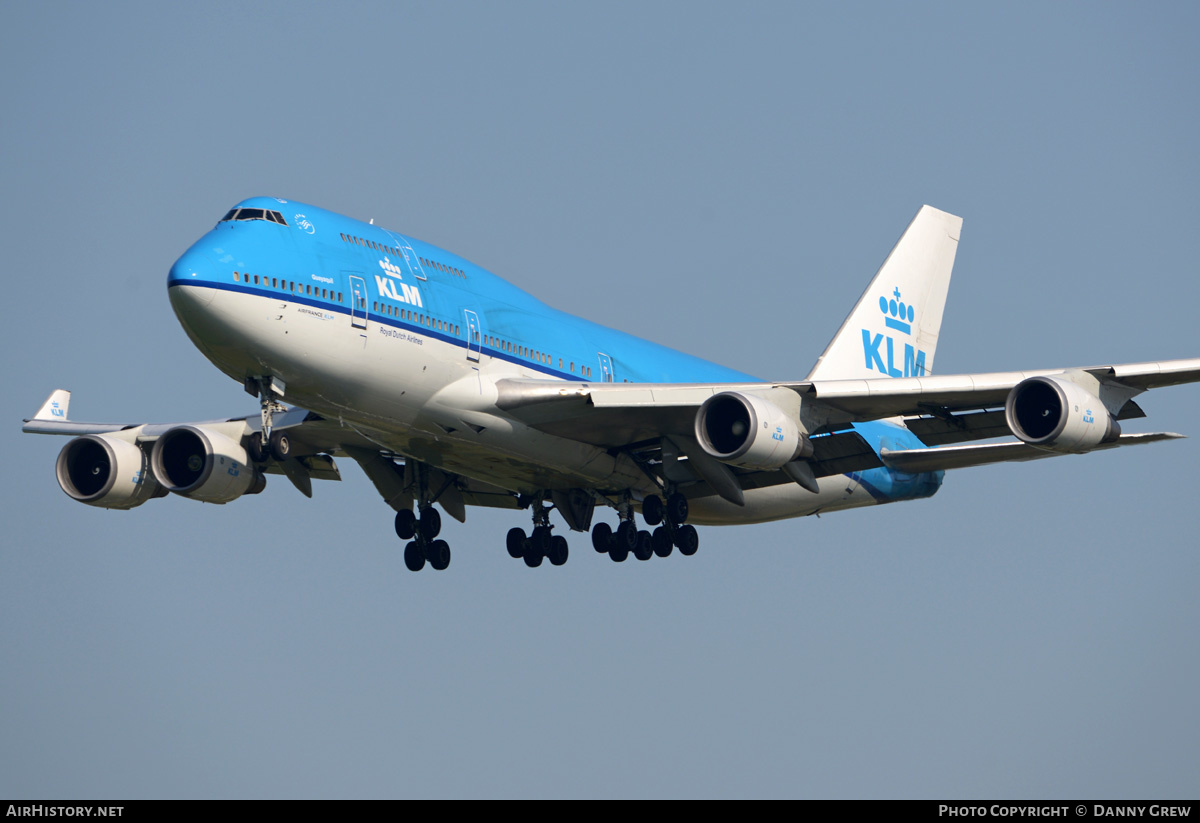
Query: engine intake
x=1055 y=414
x=204 y=465
x=744 y=430
x=106 y=472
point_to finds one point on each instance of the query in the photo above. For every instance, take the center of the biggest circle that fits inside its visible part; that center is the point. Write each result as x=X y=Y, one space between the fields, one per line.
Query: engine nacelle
x=106 y=472
x=204 y=465
x=1057 y=415
x=744 y=430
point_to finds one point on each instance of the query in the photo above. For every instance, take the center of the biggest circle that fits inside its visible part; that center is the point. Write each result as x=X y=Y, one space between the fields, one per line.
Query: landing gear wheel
x=619 y=551
x=414 y=557
x=558 y=550
x=677 y=509
x=280 y=445
x=406 y=524
x=601 y=537
x=439 y=554
x=255 y=449
x=541 y=540
x=431 y=523
x=652 y=510
x=660 y=539
x=644 y=550
x=533 y=558
x=515 y=542
x=687 y=540
x=626 y=536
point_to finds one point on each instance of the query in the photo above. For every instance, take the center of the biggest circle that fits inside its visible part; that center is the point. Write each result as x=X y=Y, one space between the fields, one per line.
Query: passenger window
x=237 y=277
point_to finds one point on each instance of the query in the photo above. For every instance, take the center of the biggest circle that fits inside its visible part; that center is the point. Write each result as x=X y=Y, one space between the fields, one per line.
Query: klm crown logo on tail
x=898 y=317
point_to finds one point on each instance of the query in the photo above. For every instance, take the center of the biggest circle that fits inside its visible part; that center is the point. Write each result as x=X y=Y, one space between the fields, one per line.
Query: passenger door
x=358 y=300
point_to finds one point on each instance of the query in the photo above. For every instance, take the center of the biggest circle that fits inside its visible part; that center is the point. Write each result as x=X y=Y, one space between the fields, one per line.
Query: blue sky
x=723 y=179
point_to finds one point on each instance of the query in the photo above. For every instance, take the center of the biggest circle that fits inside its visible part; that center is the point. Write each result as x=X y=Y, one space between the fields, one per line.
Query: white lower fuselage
x=426 y=399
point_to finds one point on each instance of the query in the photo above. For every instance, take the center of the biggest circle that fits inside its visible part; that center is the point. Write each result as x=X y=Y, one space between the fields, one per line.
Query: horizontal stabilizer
x=916 y=461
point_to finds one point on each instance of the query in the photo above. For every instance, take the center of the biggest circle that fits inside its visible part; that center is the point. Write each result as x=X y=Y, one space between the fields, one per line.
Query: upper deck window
x=254 y=214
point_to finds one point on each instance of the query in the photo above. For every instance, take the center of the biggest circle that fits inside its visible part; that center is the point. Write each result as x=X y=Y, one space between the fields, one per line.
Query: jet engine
x=748 y=431
x=106 y=472
x=204 y=465
x=1057 y=415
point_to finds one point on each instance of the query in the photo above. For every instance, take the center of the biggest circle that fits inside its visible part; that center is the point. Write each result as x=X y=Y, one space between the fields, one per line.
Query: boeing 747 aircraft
x=451 y=388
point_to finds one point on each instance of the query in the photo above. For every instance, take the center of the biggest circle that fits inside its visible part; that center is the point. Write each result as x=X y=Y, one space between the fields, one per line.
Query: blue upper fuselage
x=324 y=259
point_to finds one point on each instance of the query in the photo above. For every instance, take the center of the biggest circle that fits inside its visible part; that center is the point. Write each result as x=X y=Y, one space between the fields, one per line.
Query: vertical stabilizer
x=893 y=329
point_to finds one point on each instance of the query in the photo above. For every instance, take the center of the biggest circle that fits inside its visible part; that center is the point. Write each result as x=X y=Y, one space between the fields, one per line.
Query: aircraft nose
x=188 y=279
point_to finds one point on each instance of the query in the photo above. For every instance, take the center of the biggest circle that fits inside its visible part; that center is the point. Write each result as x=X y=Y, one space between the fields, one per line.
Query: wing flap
x=916 y=461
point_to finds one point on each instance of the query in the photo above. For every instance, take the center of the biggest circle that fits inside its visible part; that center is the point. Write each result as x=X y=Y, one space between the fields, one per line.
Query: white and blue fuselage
x=405 y=342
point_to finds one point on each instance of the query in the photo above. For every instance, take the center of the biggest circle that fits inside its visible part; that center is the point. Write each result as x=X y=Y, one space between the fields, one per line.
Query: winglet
x=55 y=407
x=893 y=329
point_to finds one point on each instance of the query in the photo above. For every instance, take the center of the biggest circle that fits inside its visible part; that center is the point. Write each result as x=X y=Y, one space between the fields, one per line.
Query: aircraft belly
x=781 y=502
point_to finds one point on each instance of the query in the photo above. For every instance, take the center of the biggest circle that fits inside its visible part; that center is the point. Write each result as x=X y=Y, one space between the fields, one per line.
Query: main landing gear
x=627 y=539
x=540 y=543
x=421 y=530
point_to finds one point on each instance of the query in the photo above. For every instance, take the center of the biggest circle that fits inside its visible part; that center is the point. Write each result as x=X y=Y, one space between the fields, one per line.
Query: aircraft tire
x=619 y=551
x=687 y=540
x=406 y=524
x=677 y=509
x=601 y=537
x=414 y=557
x=541 y=540
x=254 y=447
x=558 y=550
x=431 y=523
x=645 y=548
x=533 y=558
x=627 y=536
x=652 y=510
x=280 y=445
x=661 y=539
x=439 y=554
x=515 y=542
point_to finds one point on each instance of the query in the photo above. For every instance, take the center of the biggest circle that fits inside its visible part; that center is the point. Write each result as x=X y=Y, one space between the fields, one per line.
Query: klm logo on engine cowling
x=387 y=287
x=898 y=317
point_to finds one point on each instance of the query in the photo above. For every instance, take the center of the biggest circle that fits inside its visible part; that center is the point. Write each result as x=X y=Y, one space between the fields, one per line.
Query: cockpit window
x=254 y=214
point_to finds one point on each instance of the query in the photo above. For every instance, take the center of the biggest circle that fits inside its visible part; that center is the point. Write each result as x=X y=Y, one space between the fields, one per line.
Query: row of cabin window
x=541 y=357
x=442 y=267
x=288 y=285
x=394 y=252
x=412 y=316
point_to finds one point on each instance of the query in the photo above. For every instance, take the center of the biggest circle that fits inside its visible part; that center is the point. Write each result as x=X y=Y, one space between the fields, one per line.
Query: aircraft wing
x=315 y=442
x=939 y=409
